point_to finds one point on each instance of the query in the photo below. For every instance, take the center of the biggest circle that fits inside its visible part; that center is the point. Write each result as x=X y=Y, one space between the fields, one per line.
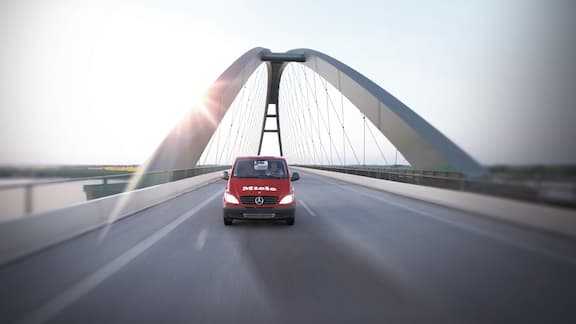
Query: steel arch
x=418 y=141
x=183 y=146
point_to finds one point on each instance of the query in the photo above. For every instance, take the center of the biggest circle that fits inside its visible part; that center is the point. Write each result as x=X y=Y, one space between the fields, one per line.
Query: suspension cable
x=304 y=146
x=314 y=151
x=238 y=108
x=247 y=107
x=342 y=108
x=316 y=96
x=287 y=98
x=378 y=146
x=326 y=126
x=299 y=112
x=256 y=100
x=287 y=133
x=306 y=106
x=364 y=140
x=342 y=125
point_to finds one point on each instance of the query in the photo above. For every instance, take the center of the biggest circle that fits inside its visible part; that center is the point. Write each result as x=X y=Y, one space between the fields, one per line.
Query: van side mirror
x=225 y=175
x=295 y=176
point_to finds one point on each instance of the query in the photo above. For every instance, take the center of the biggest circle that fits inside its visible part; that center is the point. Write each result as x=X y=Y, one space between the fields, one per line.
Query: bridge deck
x=354 y=255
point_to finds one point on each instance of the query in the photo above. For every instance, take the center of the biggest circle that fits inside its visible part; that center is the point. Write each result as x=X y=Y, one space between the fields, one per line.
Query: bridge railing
x=560 y=194
x=23 y=198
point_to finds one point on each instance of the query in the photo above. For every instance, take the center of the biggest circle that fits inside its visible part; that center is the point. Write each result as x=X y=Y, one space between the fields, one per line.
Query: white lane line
x=72 y=294
x=201 y=240
x=308 y=209
x=471 y=229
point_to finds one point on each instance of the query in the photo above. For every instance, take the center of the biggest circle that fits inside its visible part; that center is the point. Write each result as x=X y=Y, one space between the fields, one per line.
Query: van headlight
x=287 y=199
x=229 y=198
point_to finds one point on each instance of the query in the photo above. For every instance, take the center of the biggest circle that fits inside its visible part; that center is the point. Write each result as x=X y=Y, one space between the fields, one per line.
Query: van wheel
x=290 y=221
x=227 y=221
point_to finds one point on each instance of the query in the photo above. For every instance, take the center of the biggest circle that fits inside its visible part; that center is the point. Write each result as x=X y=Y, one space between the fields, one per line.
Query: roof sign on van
x=261 y=165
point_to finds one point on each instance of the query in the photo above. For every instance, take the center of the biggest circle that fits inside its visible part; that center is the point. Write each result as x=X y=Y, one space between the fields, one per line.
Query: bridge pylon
x=276 y=62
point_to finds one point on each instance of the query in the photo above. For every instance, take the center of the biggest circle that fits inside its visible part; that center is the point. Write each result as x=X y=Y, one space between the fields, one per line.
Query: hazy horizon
x=102 y=82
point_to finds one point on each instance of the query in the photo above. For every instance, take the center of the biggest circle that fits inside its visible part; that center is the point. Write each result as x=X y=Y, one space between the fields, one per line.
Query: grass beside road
x=119 y=168
x=77 y=171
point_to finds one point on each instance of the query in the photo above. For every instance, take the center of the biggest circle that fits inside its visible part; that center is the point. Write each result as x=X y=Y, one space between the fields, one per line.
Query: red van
x=259 y=187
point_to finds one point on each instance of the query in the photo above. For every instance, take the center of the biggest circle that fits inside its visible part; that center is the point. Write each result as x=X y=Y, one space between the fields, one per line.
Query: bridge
x=374 y=242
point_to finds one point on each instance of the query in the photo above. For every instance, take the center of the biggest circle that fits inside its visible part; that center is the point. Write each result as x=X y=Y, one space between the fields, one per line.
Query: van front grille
x=251 y=200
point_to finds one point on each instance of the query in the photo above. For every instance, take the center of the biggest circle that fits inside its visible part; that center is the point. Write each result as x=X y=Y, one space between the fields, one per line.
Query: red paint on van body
x=259 y=187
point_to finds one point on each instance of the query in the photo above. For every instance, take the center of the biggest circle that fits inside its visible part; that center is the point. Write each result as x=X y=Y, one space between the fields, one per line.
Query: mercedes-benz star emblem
x=259 y=200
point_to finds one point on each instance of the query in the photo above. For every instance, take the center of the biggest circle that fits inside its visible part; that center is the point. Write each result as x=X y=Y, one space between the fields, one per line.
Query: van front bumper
x=239 y=212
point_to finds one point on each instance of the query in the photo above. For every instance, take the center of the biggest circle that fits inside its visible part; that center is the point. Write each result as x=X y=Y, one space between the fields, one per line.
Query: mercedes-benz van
x=259 y=187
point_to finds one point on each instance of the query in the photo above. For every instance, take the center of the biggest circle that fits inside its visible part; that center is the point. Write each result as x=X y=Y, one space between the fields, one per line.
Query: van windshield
x=260 y=168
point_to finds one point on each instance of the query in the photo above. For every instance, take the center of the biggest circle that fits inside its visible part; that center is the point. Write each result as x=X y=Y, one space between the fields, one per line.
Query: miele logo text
x=253 y=188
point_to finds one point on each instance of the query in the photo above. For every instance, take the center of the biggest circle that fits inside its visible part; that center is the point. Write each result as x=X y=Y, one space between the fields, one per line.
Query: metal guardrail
x=456 y=181
x=100 y=190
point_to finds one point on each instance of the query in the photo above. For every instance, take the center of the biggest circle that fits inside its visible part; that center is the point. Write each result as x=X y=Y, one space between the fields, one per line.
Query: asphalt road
x=355 y=255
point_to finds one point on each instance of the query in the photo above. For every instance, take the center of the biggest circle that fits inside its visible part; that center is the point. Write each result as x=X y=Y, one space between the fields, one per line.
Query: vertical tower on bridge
x=276 y=63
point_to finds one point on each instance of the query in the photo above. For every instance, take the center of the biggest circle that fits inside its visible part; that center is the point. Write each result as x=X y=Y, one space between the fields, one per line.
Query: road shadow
x=312 y=276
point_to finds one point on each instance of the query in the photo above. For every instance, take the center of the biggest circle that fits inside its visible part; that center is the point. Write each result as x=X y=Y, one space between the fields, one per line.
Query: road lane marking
x=72 y=294
x=201 y=240
x=308 y=209
x=469 y=228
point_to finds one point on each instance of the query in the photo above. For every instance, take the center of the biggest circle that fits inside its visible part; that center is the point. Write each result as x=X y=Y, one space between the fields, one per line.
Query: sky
x=102 y=82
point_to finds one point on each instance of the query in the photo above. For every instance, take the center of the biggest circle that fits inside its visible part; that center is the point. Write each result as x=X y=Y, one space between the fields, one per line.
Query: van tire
x=227 y=221
x=290 y=221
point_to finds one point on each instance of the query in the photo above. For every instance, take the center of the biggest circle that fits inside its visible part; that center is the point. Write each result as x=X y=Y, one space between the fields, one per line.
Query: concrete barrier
x=23 y=236
x=541 y=217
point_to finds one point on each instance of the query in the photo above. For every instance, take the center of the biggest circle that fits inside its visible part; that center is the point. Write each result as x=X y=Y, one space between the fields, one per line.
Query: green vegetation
x=541 y=172
x=76 y=171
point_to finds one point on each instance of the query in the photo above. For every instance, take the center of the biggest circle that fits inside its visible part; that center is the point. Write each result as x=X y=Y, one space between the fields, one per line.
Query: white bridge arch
x=419 y=142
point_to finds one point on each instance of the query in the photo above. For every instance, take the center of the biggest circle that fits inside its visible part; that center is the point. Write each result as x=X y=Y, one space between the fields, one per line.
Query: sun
x=106 y=86
x=146 y=82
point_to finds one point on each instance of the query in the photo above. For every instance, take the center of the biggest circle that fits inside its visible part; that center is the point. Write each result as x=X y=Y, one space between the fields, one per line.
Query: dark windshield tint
x=260 y=168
